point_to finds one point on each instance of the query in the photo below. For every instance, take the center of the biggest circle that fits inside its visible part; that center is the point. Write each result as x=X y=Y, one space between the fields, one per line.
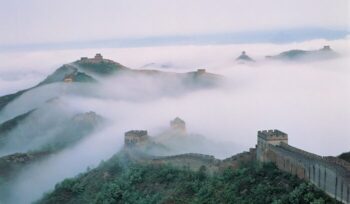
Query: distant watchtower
x=178 y=125
x=326 y=48
x=274 y=137
x=69 y=78
x=98 y=57
x=201 y=71
x=244 y=57
x=269 y=137
x=135 y=137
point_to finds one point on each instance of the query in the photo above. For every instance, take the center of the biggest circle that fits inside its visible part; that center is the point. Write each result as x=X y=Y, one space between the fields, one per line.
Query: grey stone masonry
x=330 y=174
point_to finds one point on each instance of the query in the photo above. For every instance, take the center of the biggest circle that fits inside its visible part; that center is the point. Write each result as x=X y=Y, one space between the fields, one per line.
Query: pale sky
x=49 y=21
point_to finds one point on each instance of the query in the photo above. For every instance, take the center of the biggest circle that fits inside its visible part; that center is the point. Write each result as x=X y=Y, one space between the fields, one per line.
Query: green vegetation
x=324 y=53
x=82 y=77
x=122 y=181
x=10 y=164
x=9 y=125
x=4 y=100
x=72 y=131
x=345 y=156
x=293 y=54
x=12 y=123
x=102 y=68
x=67 y=70
x=58 y=75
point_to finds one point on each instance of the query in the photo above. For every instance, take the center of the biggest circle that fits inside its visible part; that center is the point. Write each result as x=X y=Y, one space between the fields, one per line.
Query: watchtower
x=178 y=126
x=69 y=78
x=244 y=57
x=201 y=71
x=135 y=137
x=98 y=57
x=267 y=138
x=326 y=47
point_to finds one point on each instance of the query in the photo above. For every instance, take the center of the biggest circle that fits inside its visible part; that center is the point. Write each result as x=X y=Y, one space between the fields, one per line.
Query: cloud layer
x=35 y=21
x=309 y=101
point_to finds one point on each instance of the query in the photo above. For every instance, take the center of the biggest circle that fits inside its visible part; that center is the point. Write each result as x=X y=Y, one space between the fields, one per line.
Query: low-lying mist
x=309 y=101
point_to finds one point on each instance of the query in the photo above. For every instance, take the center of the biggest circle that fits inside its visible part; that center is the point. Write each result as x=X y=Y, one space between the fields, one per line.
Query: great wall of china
x=330 y=174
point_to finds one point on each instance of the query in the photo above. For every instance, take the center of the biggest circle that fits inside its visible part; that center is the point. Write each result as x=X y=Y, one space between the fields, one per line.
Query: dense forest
x=121 y=180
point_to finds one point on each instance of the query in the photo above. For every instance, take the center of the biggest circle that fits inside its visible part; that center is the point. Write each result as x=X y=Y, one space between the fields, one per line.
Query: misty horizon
x=283 y=36
x=76 y=76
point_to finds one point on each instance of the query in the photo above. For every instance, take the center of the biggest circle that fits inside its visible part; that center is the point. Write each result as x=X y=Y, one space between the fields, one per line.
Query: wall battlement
x=330 y=174
x=272 y=135
x=135 y=138
x=301 y=152
x=98 y=58
x=203 y=157
x=178 y=126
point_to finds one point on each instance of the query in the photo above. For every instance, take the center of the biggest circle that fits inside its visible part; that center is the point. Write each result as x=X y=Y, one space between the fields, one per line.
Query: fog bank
x=309 y=101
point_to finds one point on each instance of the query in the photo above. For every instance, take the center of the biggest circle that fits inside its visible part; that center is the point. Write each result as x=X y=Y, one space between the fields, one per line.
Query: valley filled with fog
x=309 y=100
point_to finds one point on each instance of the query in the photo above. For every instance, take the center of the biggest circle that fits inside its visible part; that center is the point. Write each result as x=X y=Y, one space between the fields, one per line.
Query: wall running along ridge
x=330 y=174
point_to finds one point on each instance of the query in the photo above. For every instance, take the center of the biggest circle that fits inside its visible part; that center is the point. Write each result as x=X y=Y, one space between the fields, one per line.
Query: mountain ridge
x=83 y=71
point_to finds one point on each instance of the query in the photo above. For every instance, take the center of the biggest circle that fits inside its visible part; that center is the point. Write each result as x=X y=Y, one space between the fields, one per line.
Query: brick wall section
x=237 y=160
x=194 y=161
x=330 y=174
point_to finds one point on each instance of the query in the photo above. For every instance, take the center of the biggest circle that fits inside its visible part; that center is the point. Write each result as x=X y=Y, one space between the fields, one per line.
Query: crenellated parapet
x=301 y=152
x=273 y=135
x=267 y=138
x=95 y=60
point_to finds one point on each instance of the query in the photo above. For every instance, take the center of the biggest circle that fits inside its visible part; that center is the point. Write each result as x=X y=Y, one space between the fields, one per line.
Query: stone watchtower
x=244 y=57
x=326 y=48
x=201 y=71
x=267 y=138
x=98 y=57
x=135 y=138
x=178 y=126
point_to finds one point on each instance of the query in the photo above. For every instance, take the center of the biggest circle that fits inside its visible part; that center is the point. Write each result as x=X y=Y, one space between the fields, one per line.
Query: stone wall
x=330 y=174
x=195 y=161
x=191 y=161
x=135 y=138
x=237 y=160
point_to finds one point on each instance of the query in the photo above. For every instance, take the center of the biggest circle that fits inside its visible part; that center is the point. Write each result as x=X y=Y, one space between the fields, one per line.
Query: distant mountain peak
x=321 y=54
x=244 y=57
x=99 y=65
x=326 y=48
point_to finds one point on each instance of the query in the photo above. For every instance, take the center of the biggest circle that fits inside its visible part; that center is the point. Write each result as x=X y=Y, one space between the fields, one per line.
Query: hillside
x=76 y=128
x=9 y=125
x=19 y=135
x=87 y=70
x=122 y=180
x=345 y=156
x=305 y=55
x=244 y=58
